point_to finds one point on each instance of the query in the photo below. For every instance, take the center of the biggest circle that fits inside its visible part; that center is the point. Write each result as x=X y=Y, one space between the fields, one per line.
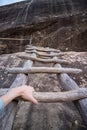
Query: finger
x=32 y=99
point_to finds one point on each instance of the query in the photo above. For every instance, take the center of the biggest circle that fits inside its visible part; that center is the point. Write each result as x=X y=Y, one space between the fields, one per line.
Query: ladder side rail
x=7 y=122
x=67 y=83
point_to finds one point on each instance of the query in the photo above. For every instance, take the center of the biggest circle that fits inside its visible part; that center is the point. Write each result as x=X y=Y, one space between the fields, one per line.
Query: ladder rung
x=68 y=96
x=42 y=53
x=43 y=60
x=43 y=70
x=42 y=49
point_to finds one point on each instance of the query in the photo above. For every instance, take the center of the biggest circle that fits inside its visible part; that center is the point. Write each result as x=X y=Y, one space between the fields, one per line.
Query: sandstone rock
x=55 y=23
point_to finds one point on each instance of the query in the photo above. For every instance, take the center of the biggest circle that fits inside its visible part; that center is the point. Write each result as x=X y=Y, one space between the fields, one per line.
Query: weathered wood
x=13 y=39
x=7 y=121
x=10 y=112
x=69 y=84
x=6 y=124
x=42 y=49
x=42 y=53
x=61 y=96
x=46 y=54
x=23 y=108
x=72 y=95
x=43 y=60
x=43 y=70
x=21 y=79
x=22 y=115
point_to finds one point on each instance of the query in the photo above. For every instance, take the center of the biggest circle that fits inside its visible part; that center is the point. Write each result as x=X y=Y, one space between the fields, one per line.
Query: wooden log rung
x=43 y=60
x=42 y=49
x=42 y=53
x=17 y=70
x=68 y=96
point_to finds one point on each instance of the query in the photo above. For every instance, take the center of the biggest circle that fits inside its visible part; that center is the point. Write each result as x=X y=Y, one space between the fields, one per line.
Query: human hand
x=27 y=93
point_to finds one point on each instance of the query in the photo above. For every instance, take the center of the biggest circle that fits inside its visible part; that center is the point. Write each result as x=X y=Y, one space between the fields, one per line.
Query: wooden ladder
x=49 y=55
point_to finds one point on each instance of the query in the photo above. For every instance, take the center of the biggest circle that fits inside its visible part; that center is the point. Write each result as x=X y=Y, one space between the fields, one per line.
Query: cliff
x=55 y=23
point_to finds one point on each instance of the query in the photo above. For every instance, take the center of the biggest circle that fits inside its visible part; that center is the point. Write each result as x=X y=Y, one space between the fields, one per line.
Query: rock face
x=55 y=23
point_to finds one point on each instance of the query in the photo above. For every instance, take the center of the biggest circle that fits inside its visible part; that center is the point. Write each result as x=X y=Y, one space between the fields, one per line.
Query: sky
x=5 y=2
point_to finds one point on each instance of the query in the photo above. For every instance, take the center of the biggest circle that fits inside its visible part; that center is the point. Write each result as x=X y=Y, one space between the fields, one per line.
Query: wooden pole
x=46 y=54
x=21 y=79
x=69 y=84
x=7 y=122
x=13 y=39
x=68 y=96
x=42 y=49
x=43 y=70
x=21 y=114
x=43 y=60
x=42 y=53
